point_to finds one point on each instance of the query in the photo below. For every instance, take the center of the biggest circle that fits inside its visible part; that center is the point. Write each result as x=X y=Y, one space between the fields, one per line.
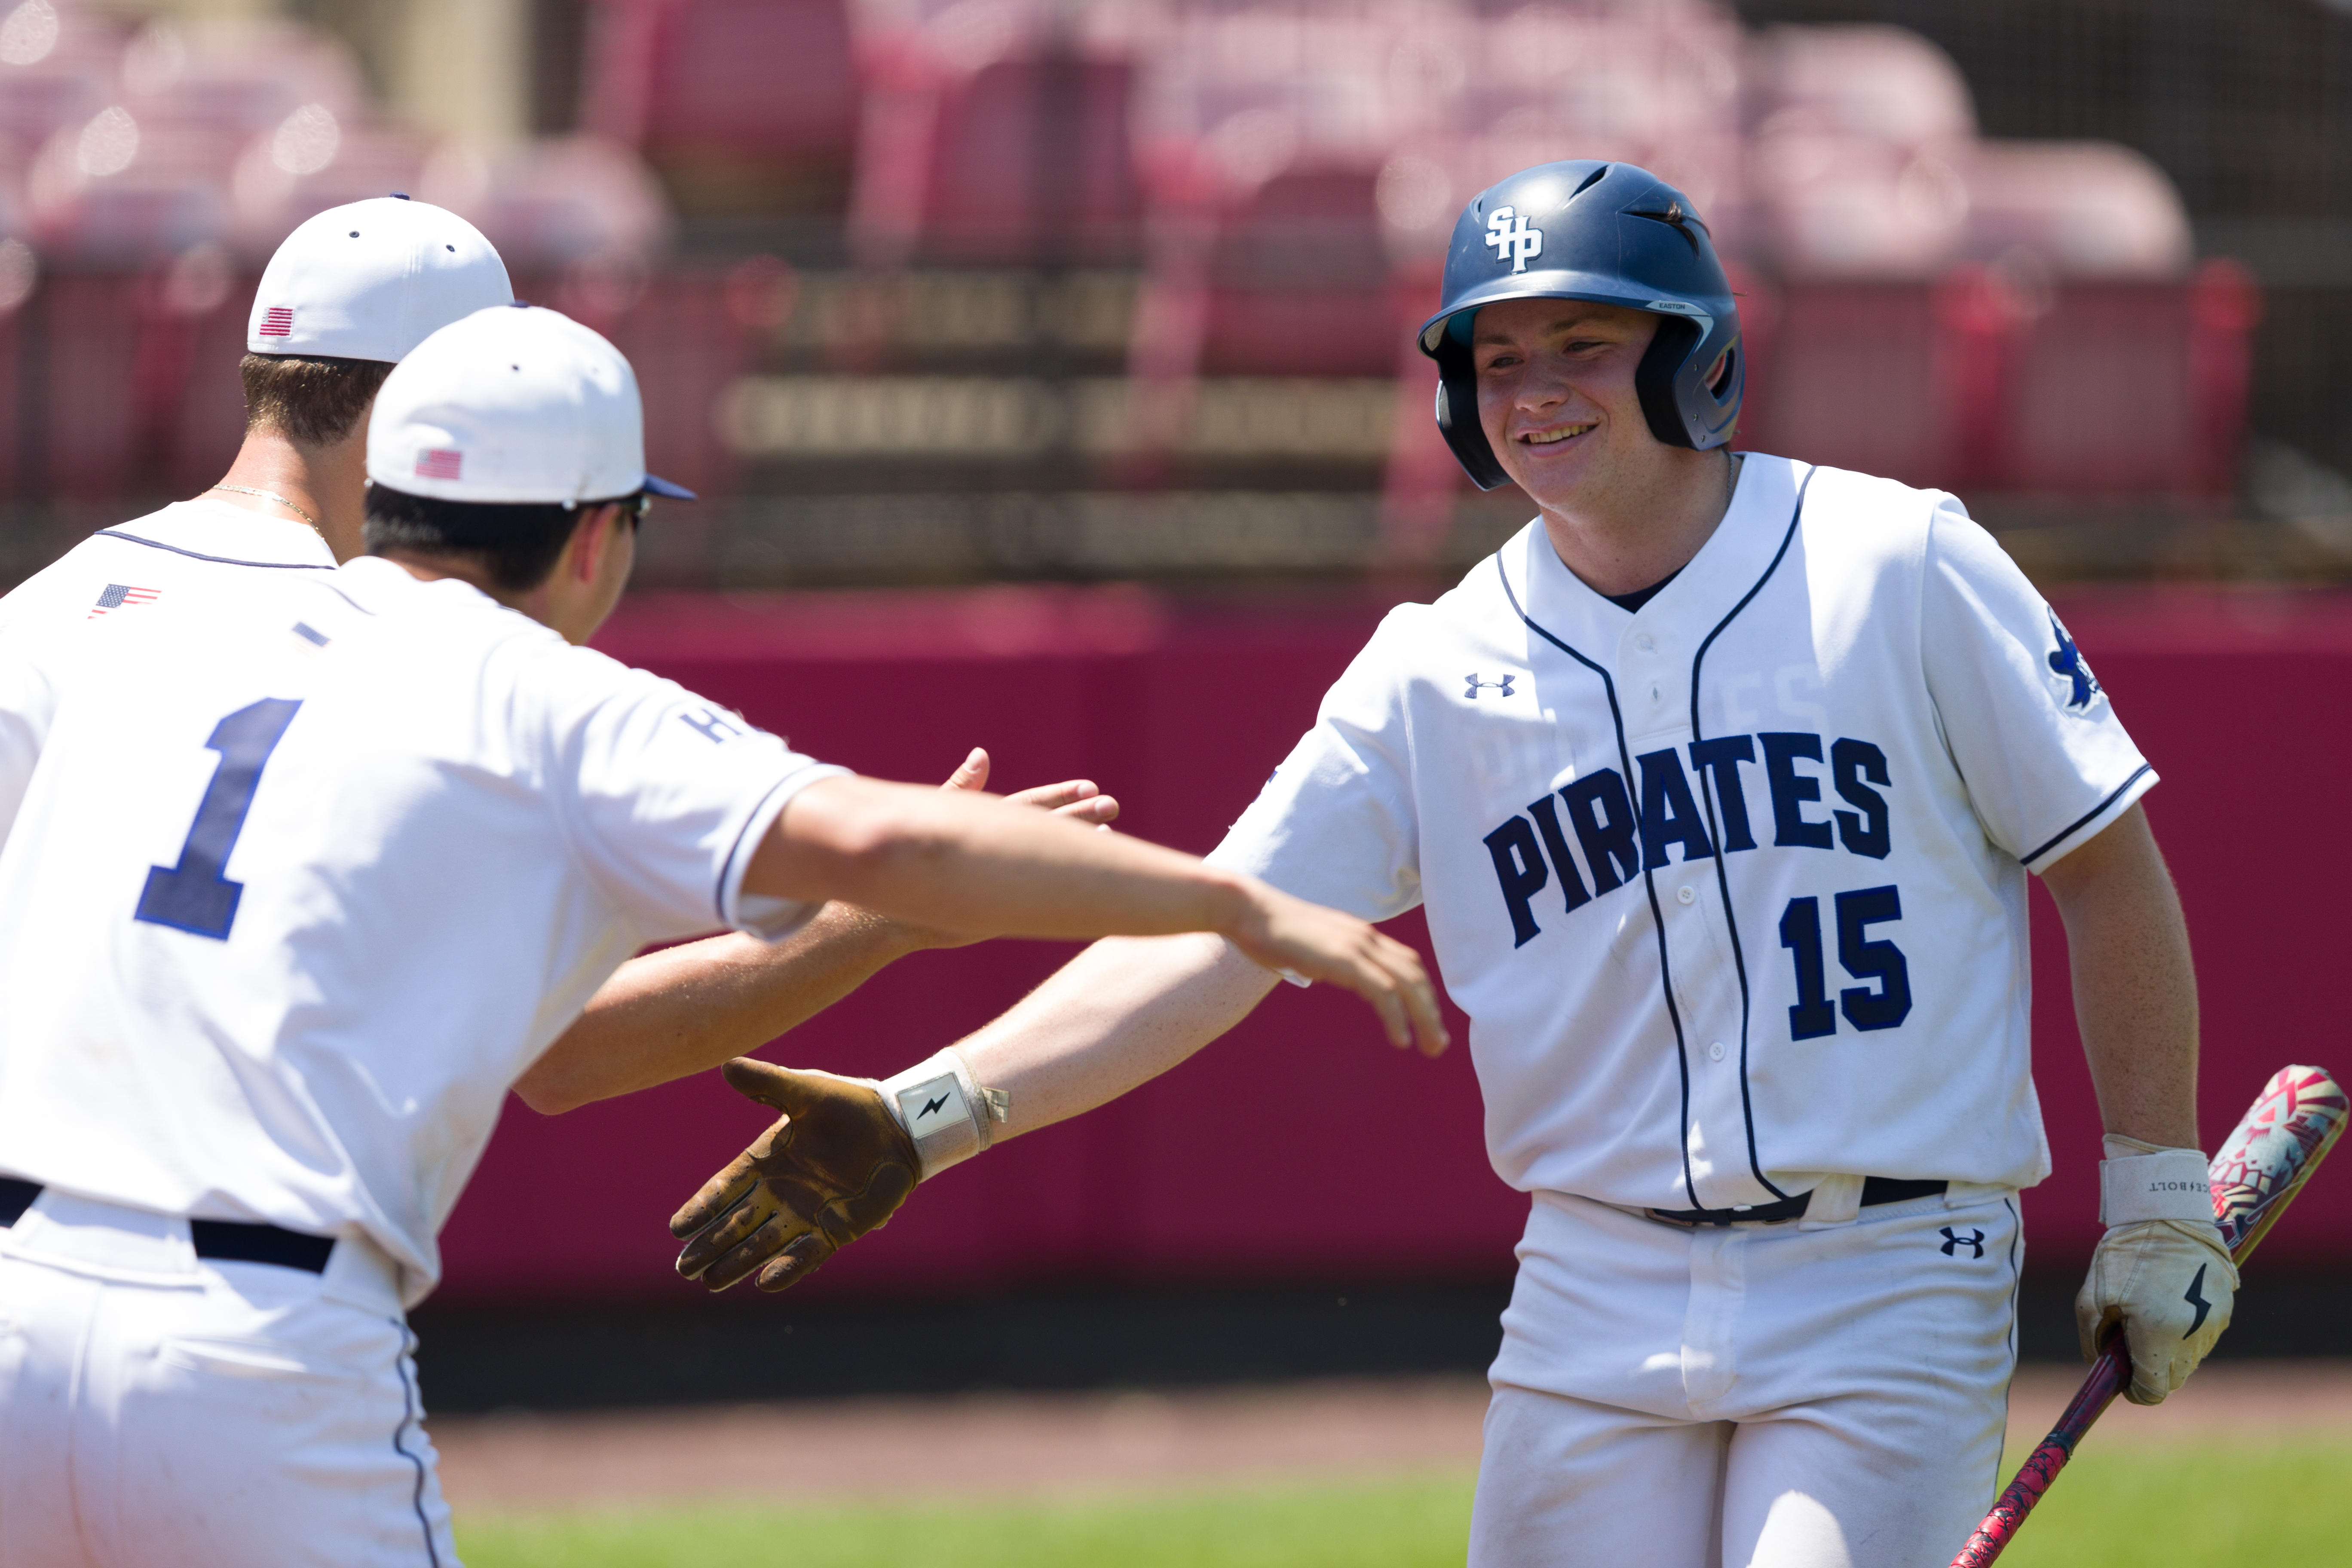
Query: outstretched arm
x=939 y=858
x=841 y=1158
x=1119 y=1014
x=686 y=1009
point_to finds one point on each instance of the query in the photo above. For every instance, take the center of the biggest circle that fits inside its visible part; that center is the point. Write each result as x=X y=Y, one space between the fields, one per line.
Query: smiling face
x=1556 y=398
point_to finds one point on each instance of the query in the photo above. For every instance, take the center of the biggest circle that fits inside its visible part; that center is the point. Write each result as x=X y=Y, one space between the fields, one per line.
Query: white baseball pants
x=1749 y=1396
x=160 y=1408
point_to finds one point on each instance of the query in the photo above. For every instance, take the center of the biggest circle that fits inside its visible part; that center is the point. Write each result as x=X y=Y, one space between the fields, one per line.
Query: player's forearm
x=959 y=862
x=686 y=1009
x=1119 y=1014
x=2134 y=988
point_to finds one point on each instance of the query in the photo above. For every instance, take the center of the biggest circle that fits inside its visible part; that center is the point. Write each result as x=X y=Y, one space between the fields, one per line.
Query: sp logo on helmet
x=1513 y=241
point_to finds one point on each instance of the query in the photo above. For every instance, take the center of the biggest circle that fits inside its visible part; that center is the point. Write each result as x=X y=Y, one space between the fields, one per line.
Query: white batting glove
x=2160 y=1271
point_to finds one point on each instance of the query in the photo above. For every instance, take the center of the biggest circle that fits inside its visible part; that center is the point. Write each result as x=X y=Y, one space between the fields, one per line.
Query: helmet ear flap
x=1682 y=409
x=1654 y=379
x=1457 y=416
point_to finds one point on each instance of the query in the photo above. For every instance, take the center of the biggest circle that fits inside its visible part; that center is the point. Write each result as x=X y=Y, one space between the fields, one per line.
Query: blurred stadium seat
x=2127 y=388
x=743 y=106
x=996 y=132
x=1028 y=160
x=2082 y=209
x=1297 y=278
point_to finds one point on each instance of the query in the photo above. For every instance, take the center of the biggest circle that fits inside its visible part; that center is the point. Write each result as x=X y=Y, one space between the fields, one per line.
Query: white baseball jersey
x=1733 y=887
x=119 y=570
x=302 y=869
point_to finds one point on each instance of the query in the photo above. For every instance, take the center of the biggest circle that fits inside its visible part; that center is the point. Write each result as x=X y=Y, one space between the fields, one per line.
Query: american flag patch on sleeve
x=277 y=321
x=440 y=463
x=123 y=597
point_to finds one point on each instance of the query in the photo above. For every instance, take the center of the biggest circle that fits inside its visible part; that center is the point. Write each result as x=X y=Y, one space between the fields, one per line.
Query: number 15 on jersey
x=1883 y=1001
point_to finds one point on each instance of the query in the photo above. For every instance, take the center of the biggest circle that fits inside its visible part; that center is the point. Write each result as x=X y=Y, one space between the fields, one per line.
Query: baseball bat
x=2261 y=1166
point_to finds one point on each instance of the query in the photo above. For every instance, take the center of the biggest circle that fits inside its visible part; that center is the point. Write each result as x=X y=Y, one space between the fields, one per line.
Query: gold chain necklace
x=271 y=495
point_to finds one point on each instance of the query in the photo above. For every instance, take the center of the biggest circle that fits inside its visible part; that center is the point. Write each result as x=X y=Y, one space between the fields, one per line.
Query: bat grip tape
x=945 y=1110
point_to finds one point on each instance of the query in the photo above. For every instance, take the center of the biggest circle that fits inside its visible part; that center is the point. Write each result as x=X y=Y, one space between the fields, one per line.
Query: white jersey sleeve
x=668 y=795
x=1337 y=822
x=2047 y=762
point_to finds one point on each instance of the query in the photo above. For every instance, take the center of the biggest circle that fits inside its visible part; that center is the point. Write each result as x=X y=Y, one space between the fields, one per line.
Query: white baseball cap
x=516 y=403
x=372 y=280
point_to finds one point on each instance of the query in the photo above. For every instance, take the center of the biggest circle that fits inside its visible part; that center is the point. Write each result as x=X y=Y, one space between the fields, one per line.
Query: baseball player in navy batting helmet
x=1614 y=235
x=1719 y=785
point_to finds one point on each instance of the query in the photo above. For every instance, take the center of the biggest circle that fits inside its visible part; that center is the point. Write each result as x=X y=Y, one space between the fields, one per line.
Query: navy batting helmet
x=1606 y=232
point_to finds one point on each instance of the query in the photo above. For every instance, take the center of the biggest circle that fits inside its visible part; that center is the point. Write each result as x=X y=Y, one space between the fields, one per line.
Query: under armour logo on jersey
x=1953 y=1241
x=2068 y=662
x=930 y=1107
x=123 y=597
x=710 y=726
x=1514 y=241
x=1503 y=686
x=2196 y=1300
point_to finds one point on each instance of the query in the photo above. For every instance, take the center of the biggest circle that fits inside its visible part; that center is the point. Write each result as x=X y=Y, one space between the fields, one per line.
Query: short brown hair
x=315 y=401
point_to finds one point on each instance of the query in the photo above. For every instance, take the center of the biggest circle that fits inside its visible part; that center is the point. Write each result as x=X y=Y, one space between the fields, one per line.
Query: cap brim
x=662 y=486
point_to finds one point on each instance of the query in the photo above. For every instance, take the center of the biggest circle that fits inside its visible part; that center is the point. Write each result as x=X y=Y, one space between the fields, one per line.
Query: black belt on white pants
x=218 y=1240
x=1875 y=1190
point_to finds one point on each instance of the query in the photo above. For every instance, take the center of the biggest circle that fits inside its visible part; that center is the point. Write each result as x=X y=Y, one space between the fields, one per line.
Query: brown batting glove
x=835 y=1165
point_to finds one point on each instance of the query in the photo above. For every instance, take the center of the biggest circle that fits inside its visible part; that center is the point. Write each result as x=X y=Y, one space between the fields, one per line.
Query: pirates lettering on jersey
x=1616 y=840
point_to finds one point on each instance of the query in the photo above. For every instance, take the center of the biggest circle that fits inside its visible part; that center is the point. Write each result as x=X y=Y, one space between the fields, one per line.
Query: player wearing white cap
x=301 y=869
x=347 y=295
x=1719 y=785
x=343 y=298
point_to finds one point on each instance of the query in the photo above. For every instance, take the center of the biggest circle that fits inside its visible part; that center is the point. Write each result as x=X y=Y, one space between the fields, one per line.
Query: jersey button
x=1686 y=895
x=1715 y=1052
x=1645 y=643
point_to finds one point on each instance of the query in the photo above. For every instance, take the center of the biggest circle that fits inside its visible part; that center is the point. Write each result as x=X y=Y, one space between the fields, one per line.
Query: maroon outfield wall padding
x=1300 y=1147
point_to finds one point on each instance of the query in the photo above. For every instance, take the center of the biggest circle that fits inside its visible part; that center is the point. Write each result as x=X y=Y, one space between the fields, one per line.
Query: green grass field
x=2184 y=1508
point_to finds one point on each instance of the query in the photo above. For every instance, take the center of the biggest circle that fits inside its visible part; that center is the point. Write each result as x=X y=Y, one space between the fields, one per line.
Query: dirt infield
x=1049 y=1445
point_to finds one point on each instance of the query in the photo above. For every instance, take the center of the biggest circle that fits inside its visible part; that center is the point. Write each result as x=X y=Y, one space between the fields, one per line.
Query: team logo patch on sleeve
x=2069 y=664
x=123 y=596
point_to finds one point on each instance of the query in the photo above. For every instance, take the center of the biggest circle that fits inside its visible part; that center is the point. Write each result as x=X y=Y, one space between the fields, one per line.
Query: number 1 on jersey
x=195 y=896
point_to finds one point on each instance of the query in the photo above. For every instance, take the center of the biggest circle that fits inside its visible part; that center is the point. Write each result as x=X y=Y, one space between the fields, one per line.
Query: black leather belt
x=220 y=1240
x=1875 y=1190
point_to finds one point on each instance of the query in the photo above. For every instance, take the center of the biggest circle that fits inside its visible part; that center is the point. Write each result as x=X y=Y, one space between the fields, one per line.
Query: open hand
x=835 y=1165
x=1293 y=937
x=1077 y=799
